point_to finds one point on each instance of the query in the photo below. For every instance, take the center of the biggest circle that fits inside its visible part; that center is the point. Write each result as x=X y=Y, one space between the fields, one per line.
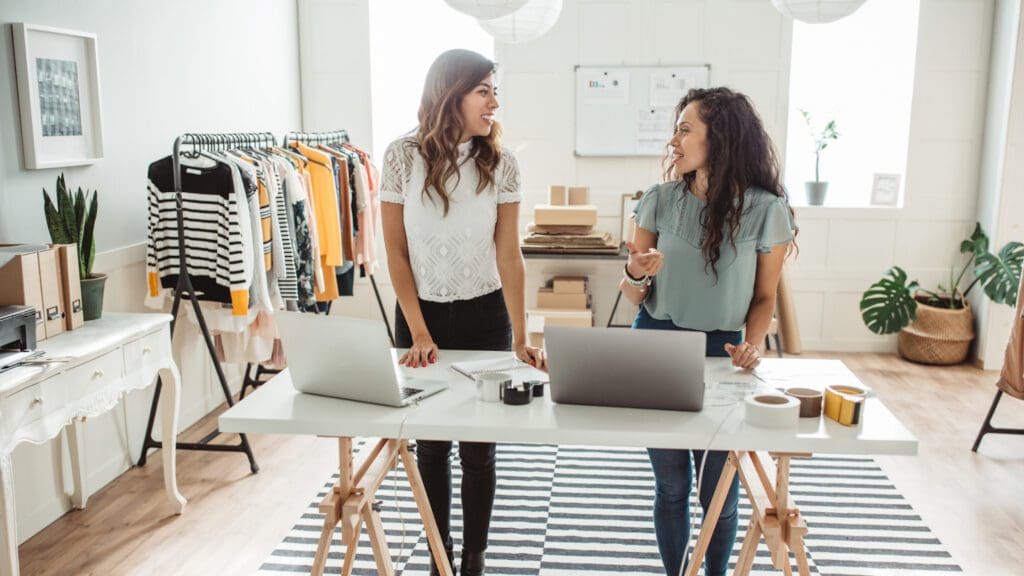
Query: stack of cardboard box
x=566 y=225
x=46 y=278
x=564 y=301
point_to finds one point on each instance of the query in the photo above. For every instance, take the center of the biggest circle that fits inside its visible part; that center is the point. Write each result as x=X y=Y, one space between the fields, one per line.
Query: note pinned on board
x=606 y=87
x=667 y=88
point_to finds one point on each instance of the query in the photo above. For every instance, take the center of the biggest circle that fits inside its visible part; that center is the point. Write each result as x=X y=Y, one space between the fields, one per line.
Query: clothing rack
x=338 y=137
x=190 y=145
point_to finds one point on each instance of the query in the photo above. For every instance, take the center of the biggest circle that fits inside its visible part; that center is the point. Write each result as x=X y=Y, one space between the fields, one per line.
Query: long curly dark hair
x=740 y=156
x=453 y=74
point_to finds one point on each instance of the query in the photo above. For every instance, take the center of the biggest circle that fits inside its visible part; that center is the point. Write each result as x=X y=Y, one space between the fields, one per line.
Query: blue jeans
x=673 y=480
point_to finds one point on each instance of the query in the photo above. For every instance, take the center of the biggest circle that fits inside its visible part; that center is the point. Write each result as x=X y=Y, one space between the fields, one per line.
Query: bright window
x=405 y=38
x=858 y=71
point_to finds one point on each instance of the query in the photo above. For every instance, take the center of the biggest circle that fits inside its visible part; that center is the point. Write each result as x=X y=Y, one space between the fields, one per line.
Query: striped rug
x=563 y=510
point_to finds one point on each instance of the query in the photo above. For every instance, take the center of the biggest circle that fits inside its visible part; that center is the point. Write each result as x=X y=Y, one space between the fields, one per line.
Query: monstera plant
x=894 y=303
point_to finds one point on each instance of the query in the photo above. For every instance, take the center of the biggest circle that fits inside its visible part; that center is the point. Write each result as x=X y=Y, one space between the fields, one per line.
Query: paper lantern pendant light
x=486 y=9
x=528 y=23
x=817 y=11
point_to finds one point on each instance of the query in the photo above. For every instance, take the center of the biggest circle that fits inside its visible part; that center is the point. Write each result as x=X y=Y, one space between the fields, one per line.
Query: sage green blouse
x=683 y=291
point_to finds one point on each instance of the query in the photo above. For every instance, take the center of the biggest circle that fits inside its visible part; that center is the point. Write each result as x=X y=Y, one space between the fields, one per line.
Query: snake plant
x=72 y=221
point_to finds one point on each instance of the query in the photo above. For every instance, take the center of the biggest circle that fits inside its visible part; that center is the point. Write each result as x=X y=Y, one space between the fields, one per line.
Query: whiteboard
x=629 y=110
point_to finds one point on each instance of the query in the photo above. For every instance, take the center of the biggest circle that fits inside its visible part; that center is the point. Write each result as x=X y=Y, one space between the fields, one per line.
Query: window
x=405 y=38
x=858 y=71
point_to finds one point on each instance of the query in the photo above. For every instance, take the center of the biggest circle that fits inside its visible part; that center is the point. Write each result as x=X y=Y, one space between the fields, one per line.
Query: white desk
x=105 y=359
x=455 y=414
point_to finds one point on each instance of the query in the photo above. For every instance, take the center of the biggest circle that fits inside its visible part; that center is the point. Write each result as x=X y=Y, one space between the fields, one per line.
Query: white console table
x=93 y=368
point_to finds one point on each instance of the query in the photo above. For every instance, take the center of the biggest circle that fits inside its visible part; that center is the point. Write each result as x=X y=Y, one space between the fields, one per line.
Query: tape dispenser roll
x=845 y=403
x=810 y=401
x=771 y=410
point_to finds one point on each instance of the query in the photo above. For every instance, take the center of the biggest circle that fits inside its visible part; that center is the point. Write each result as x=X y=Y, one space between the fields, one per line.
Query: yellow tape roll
x=845 y=404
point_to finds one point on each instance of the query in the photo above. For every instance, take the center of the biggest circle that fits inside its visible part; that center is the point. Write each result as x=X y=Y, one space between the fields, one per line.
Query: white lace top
x=453 y=257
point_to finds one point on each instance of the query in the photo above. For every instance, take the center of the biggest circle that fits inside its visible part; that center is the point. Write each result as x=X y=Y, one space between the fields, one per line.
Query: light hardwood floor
x=973 y=502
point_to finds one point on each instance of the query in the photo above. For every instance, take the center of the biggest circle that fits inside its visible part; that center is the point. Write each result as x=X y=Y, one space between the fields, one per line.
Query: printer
x=17 y=334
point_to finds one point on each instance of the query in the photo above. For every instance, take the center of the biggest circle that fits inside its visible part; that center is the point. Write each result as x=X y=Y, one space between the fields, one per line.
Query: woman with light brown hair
x=450 y=216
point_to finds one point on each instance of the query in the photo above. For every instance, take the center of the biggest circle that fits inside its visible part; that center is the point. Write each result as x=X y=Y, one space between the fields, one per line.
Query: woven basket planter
x=940 y=336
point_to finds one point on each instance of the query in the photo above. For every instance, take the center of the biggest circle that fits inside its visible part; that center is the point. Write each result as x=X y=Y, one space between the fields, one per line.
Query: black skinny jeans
x=478 y=324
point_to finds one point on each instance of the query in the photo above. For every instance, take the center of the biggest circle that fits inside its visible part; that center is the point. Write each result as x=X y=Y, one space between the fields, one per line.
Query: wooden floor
x=973 y=502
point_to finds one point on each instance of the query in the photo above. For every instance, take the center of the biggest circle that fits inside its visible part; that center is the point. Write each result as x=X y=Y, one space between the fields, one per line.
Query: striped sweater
x=217 y=247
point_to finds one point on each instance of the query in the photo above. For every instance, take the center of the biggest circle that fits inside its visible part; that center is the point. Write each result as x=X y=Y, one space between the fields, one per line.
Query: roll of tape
x=489 y=386
x=810 y=401
x=771 y=410
x=845 y=403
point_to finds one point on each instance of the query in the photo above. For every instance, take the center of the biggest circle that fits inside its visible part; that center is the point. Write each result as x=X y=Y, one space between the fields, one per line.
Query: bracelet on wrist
x=633 y=281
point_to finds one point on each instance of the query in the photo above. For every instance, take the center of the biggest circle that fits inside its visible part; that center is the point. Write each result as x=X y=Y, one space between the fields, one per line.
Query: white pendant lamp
x=486 y=9
x=817 y=11
x=528 y=23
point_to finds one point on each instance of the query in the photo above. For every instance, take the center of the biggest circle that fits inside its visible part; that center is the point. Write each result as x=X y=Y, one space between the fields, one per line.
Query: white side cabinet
x=92 y=370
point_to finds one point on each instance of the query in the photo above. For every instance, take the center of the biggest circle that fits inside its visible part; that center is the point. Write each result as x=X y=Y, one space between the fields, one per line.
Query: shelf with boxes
x=563 y=301
x=565 y=225
x=46 y=278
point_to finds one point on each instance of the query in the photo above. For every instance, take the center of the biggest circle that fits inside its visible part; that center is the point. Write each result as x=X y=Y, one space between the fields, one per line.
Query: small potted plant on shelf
x=72 y=221
x=816 y=190
x=938 y=327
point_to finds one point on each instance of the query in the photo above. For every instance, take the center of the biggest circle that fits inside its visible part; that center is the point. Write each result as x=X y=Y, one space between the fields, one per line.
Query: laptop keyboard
x=408 y=391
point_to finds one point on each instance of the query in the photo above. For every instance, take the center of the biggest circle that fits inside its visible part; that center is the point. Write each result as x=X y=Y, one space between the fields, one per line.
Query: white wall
x=1001 y=184
x=165 y=68
x=747 y=44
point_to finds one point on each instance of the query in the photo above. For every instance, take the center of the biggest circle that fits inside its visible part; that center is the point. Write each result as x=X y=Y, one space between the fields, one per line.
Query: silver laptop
x=656 y=369
x=348 y=358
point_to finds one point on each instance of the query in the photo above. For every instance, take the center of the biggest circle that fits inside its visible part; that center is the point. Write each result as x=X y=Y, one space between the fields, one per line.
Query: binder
x=53 y=299
x=71 y=285
x=19 y=280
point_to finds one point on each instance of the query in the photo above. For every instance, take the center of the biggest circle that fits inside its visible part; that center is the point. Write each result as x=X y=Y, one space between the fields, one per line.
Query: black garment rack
x=190 y=145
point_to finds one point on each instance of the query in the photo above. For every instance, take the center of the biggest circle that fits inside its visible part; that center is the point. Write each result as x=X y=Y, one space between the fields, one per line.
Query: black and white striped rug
x=563 y=510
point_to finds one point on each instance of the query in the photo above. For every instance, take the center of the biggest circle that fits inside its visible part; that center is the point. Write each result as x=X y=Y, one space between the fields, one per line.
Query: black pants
x=478 y=324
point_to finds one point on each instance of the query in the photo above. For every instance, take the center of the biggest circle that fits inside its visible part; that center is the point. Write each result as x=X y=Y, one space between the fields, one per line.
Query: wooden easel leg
x=350 y=549
x=749 y=549
x=426 y=513
x=320 y=560
x=381 y=554
x=707 y=526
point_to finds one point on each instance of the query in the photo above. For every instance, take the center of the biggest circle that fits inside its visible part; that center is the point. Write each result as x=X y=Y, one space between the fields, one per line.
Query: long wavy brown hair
x=740 y=156
x=453 y=74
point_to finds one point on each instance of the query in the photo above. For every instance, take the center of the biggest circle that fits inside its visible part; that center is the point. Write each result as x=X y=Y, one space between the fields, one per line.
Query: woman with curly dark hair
x=706 y=255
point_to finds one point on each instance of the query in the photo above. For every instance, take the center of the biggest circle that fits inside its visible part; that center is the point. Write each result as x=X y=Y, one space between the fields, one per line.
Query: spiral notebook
x=491 y=365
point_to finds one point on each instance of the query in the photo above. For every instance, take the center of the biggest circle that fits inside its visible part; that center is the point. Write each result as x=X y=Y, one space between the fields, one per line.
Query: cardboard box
x=579 y=195
x=547 y=298
x=557 y=195
x=53 y=297
x=19 y=280
x=536 y=339
x=548 y=215
x=551 y=317
x=569 y=284
x=71 y=285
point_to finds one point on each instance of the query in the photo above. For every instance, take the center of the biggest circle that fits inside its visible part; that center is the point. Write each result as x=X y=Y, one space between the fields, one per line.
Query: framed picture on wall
x=629 y=202
x=885 y=189
x=59 y=96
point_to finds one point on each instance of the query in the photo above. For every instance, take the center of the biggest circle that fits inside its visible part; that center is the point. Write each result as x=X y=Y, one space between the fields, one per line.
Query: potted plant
x=816 y=190
x=938 y=327
x=72 y=221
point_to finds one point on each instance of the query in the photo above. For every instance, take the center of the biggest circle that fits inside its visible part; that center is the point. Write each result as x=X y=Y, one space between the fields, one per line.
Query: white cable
x=394 y=487
x=700 y=479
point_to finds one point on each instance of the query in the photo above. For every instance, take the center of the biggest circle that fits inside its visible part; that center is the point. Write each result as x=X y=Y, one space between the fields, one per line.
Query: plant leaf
x=66 y=209
x=888 y=305
x=999 y=275
x=79 y=214
x=87 y=254
x=53 y=221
